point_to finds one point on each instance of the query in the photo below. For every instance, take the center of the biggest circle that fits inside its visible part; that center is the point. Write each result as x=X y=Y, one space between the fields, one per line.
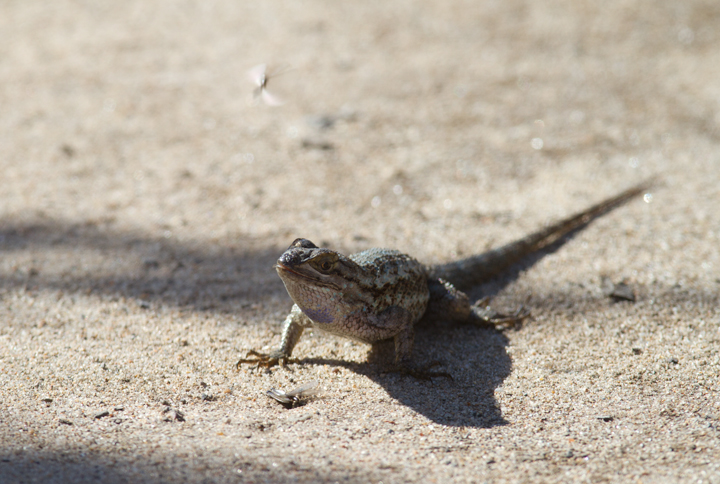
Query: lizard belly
x=355 y=329
x=369 y=327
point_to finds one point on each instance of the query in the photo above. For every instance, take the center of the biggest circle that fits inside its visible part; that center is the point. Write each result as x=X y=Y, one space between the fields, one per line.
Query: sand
x=145 y=195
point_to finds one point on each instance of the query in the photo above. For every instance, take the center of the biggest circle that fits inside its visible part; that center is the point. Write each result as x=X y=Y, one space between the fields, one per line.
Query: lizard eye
x=325 y=264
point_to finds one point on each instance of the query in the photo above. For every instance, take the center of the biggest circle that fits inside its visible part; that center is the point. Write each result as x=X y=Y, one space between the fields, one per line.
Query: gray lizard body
x=379 y=294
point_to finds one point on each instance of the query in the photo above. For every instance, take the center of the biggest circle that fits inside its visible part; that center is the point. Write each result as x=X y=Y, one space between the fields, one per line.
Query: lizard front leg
x=293 y=328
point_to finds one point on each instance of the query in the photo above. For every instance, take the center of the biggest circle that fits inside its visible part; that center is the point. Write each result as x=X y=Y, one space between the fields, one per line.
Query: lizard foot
x=420 y=372
x=263 y=360
x=482 y=314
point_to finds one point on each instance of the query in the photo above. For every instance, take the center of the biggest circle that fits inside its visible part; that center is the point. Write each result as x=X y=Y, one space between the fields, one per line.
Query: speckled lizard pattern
x=380 y=294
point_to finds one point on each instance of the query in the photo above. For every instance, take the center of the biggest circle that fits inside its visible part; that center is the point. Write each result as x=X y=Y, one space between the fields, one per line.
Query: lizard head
x=320 y=281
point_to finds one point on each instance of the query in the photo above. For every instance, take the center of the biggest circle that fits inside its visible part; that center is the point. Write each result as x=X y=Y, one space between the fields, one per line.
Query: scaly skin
x=380 y=294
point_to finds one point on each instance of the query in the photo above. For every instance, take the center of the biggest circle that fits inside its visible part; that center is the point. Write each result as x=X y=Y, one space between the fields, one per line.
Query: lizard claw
x=263 y=360
x=483 y=314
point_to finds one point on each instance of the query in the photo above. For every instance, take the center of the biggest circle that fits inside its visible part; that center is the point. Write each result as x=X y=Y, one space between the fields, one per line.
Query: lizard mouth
x=308 y=277
x=282 y=267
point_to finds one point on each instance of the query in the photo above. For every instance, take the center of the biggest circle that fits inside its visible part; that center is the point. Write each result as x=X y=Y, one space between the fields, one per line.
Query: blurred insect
x=261 y=76
x=295 y=396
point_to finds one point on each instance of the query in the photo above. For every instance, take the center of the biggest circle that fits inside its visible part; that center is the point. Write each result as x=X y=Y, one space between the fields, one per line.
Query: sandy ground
x=144 y=197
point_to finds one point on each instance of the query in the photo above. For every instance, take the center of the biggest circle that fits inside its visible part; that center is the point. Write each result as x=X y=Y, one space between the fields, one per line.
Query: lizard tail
x=477 y=269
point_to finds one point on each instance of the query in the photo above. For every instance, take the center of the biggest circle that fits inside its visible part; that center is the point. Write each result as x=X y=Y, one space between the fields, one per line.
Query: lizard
x=381 y=294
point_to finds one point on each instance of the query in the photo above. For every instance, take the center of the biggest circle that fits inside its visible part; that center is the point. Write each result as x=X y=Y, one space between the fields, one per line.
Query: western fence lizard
x=380 y=294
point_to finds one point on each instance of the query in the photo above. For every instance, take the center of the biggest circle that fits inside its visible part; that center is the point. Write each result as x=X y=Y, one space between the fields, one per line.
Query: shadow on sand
x=92 y=259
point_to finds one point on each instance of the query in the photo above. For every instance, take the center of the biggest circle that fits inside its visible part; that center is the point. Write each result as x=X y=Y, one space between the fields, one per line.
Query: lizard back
x=394 y=279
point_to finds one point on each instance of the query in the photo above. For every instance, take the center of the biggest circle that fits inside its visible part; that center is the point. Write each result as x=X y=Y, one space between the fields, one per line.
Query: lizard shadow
x=476 y=357
x=478 y=362
x=478 y=365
